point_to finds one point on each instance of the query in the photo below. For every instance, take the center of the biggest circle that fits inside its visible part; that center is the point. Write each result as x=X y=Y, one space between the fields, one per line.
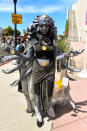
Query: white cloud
x=26 y=9
x=69 y=2
x=8 y=6
x=30 y=9
x=6 y=1
x=46 y=9
x=51 y=9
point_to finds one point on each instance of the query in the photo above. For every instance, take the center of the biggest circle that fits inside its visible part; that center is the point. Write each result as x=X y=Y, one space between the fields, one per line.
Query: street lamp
x=15 y=26
x=15 y=1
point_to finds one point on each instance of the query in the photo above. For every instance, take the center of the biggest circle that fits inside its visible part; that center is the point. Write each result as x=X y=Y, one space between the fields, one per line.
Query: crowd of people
x=9 y=40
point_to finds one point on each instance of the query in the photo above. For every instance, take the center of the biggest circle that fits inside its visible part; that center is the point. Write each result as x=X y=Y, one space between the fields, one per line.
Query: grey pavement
x=13 y=116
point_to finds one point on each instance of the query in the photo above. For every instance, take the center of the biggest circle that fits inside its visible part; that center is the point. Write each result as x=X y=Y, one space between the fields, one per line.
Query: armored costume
x=42 y=36
x=39 y=58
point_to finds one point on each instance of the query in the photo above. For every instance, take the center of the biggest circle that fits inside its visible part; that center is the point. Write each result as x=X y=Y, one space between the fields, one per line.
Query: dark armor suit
x=37 y=66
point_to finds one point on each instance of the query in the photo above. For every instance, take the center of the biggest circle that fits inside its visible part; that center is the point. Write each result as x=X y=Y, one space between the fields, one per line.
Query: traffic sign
x=16 y=19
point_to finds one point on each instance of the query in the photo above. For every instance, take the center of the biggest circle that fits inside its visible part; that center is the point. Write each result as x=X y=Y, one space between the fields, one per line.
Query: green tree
x=18 y=33
x=8 y=31
x=66 y=29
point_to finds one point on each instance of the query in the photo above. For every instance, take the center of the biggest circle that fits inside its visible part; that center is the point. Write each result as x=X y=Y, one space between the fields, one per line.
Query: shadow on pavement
x=61 y=110
x=80 y=105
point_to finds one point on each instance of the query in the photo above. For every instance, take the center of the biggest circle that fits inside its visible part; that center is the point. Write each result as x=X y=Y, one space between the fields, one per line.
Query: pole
x=15 y=25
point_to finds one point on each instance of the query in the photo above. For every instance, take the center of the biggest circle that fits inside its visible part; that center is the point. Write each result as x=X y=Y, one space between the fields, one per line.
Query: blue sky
x=57 y=9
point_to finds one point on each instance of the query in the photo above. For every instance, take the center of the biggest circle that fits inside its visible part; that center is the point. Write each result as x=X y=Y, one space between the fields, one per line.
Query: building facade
x=77 y=30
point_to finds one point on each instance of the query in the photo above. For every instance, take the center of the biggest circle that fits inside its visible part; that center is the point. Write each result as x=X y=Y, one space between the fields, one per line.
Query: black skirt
x=40 y=73
x=43 y=82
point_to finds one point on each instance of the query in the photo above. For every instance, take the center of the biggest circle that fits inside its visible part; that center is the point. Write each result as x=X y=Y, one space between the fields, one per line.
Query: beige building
x=77 y=21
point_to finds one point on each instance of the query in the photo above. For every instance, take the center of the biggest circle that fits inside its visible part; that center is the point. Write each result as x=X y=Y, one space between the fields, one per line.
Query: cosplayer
x=39 y=58
x=42 y=38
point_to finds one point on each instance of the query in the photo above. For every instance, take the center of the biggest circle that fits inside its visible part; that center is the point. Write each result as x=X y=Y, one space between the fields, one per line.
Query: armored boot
x=51 y=112
x=37 y=112
x=29 y=107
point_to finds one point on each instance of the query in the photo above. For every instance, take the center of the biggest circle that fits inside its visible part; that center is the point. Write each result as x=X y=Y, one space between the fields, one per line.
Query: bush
x=63 y=46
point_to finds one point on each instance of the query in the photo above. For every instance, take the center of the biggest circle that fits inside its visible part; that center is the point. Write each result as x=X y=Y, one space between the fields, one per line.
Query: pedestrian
x=3 y=40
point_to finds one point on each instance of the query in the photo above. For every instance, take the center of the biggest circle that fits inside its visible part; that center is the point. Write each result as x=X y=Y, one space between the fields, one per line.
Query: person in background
x=3 y=39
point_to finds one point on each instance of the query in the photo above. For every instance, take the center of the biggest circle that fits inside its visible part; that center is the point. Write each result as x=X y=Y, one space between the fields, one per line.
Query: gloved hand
x=3 y=59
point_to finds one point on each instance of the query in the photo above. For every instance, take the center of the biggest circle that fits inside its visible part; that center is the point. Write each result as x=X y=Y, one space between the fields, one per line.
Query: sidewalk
x=13 y=116
x=69 y=120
